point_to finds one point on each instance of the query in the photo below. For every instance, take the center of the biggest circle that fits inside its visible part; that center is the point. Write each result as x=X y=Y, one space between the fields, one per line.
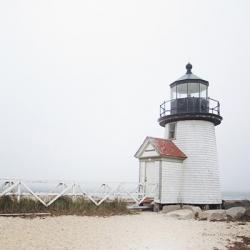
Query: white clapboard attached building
x=183 y=165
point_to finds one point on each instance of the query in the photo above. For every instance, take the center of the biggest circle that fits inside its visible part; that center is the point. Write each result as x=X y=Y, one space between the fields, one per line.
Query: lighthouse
x=182 y=167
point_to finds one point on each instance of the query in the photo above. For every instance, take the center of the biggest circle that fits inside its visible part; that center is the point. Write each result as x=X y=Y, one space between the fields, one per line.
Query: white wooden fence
x=96 y=193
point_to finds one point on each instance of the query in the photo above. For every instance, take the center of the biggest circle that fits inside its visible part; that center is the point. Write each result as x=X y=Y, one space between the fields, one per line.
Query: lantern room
x=189 y=100
x=189 y=93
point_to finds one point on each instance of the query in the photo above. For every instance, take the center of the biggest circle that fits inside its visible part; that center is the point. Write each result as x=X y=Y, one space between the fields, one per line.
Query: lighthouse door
x=151 y=177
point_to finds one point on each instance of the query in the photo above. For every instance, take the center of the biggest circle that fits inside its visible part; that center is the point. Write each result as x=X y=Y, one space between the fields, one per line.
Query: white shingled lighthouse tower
x=183 y=165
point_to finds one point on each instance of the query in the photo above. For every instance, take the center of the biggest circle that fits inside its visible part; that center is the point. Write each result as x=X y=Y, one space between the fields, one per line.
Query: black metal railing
x=190 y=105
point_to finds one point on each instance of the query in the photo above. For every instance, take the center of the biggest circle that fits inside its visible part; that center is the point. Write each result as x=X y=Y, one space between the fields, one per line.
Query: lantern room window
x=182 y=90
x=203 y=91
x=173 y=93
x=193 y=89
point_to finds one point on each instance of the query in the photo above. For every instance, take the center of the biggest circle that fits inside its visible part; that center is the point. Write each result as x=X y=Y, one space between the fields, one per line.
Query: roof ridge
x=150 y=137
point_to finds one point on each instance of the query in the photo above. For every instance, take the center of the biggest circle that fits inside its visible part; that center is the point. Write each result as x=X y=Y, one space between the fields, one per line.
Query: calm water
x=232 y=195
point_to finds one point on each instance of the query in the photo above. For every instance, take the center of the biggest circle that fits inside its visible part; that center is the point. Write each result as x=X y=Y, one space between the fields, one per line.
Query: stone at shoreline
x=182 y=214
x=213 y=215
x=236 y=203
x=217 y=215
x=195 y=209
x=169 y=208
x=235 y=213
x=203 y=215
x=247 y=213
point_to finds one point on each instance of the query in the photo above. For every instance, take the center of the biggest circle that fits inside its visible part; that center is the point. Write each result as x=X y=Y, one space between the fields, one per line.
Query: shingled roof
x=164 y=147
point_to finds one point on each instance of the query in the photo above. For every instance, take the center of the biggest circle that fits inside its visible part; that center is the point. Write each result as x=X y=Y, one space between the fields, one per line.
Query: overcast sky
x=81 y=83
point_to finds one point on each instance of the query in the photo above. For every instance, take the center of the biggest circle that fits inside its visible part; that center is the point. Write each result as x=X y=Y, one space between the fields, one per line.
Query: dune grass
x=63 y=206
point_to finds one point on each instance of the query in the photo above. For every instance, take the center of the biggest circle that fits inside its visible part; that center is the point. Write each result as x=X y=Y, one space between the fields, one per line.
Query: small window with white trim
x=171 y=130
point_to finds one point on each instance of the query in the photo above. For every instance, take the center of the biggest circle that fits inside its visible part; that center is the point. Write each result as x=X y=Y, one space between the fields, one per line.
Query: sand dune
x=143 y=231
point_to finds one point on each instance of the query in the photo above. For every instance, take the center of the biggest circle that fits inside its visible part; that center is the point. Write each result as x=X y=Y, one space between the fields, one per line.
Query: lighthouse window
x=171 y=130
x=203 y=90
x=193 y=89
x=182 y=90
x=173 y=93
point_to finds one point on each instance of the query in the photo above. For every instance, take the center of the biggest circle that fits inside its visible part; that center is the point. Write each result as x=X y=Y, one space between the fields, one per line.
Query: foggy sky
x=81 y=83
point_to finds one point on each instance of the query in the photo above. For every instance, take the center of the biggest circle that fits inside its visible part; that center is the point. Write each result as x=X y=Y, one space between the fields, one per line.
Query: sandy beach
x=142 y=231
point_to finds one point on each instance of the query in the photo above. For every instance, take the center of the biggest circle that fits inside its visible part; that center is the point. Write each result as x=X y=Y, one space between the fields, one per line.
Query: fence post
x=18 y=191
x=74 y=191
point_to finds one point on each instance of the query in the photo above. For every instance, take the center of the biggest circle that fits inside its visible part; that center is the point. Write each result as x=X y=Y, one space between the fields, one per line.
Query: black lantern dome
x=190 y=101
x=189 y=76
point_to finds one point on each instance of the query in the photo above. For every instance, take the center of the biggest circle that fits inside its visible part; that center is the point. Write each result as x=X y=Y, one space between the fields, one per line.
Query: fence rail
x=47 y=193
